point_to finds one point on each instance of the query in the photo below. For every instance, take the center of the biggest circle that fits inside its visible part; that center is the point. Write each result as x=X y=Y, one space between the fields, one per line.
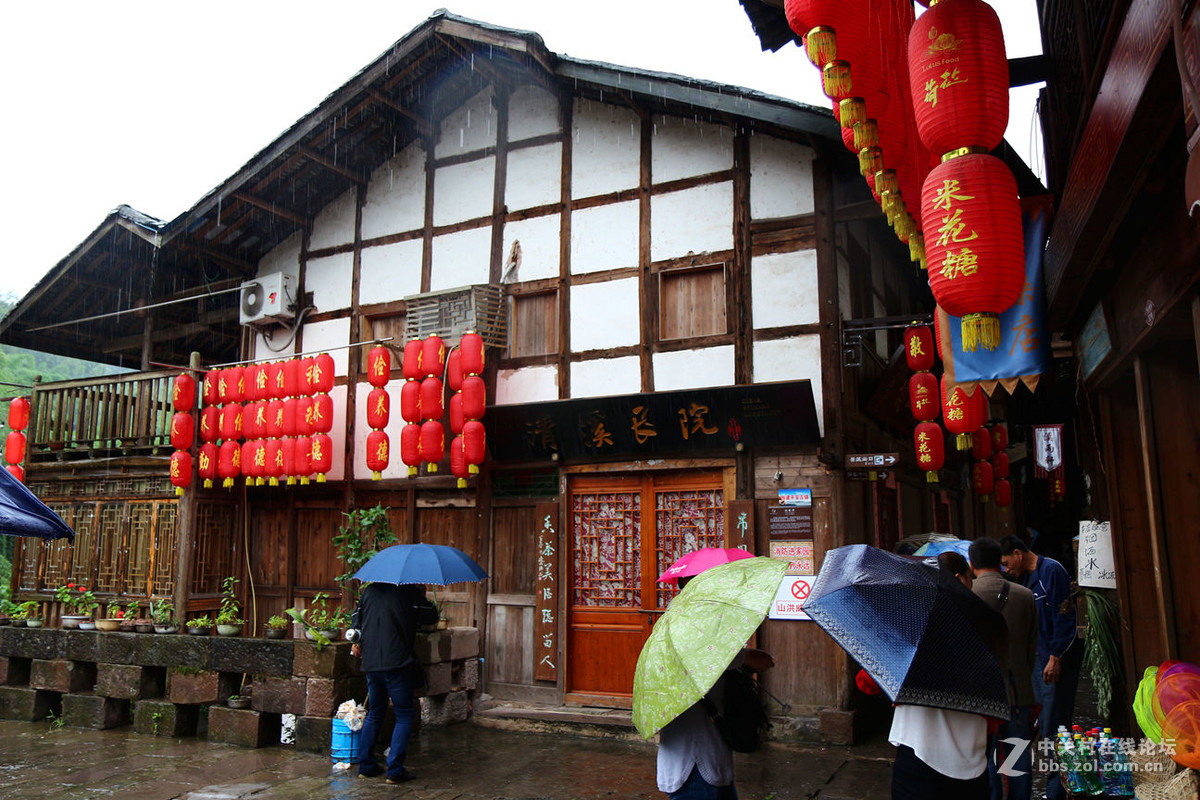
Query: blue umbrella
x=937 y=548
x=924 y=637
x=22 y=514
x=436 y=564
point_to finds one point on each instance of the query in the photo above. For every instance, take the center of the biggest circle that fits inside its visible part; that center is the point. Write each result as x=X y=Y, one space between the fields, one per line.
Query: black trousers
x=913 y=779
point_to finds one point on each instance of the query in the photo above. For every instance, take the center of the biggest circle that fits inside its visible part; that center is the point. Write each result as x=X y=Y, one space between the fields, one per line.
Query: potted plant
x=162 y=615
x=200 y=626
x=238 y=701
x=277 y=627
x=141 y=622
x=7 y=608
x=321 y=623
x=78 y=602
x=129 y=617
x=228 y=622
x=113 y=614
x=27 y=615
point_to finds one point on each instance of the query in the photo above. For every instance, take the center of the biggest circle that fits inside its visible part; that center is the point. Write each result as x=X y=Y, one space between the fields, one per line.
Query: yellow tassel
x=866 y=134
x=963 y=442
x=835 y=79
x=821 y=46
x=851 y=110
x=980 y=330
x=931 y=477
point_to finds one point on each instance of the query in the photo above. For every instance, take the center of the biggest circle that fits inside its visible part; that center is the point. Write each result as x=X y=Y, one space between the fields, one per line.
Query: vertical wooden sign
x=739 y=524
x=545 y=601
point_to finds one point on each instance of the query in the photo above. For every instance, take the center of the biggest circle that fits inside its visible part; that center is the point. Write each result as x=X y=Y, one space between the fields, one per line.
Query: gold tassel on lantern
x=835 y=79
x=886 y=181
x=866 y=134
x=980 y=330
x=821 y=46
x=916 y=248
x=870 y=160
x=851 y=110
x=931 y=477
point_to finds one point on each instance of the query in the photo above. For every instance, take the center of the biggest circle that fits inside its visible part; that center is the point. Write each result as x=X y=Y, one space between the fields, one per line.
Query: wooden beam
x=271 y=208
x=422 y=124
x=313 y=155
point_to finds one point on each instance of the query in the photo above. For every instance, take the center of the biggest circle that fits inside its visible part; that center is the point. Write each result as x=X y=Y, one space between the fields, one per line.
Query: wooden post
x=185 y=540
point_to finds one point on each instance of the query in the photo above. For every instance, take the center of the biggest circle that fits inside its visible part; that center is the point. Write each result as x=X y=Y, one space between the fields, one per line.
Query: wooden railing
x=111 y=415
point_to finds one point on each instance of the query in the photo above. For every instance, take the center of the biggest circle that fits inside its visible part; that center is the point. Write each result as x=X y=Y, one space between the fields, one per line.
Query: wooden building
x=682 y=270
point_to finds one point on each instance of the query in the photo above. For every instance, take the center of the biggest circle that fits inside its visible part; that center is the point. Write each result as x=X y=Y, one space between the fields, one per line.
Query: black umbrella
x=925 y=638
x=22 y=514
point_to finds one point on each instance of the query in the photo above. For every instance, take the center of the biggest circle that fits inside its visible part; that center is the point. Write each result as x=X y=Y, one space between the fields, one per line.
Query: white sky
x=152 y=104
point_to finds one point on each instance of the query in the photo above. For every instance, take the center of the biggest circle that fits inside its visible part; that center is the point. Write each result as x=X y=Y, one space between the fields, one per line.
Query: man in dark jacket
x=387 y=618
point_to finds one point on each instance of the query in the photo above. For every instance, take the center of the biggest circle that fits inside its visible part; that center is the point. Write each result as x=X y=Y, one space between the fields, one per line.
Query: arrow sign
x=872 y=459
x=867 y=475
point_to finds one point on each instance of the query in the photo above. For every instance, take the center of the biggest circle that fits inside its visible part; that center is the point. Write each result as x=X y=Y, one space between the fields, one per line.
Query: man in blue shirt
x=1059 y=656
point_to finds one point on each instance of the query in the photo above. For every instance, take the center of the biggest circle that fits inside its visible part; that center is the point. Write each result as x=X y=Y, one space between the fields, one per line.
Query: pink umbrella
x=697 y=561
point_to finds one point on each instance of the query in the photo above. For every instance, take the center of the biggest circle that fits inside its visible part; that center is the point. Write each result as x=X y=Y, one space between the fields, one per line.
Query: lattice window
x=606 y=550
x=164 y=549
x=212 y=560
x=56 y=563
x=141 y=518
x=685 y=521
x=83 y=557
x=108 y=562
x=30 y=550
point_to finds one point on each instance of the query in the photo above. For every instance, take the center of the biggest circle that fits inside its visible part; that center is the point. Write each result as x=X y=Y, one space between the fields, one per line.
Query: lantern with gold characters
x=930 y=449
x=379 y=372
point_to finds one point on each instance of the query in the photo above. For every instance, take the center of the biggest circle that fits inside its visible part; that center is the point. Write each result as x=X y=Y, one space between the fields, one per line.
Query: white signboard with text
x=790 y=597
x=1096 y=565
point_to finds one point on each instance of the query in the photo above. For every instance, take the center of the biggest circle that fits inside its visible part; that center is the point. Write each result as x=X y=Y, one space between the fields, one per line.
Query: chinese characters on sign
x=789 y=600
x=545 y=605
x=790 y=522
x=1096 y=566
x=799 y=556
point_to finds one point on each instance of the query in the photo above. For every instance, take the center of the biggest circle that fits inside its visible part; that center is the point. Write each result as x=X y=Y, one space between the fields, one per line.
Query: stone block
x=14 y=671
x=277 y=695
x=836 y=726
x=116 y=647
x=431 y=648
x=437 y=679
x=466 y=674
x=256 y=656
x=62 y=676
x=94 y=712
x=81 y=645
x=243 y=727
x=27 y=705
x=314 y=734
x=324 y=695
x=130 y=681
x=445 y=709
x=331 y=661
x=171 y=650
x=32 y=642
x=164 y=718
x=464 y=643
x=194 y=687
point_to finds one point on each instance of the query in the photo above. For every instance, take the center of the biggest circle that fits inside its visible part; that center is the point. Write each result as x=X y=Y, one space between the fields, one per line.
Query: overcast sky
x=152 y=104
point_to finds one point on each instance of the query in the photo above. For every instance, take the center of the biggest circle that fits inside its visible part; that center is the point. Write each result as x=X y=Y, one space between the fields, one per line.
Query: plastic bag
x=352 y=714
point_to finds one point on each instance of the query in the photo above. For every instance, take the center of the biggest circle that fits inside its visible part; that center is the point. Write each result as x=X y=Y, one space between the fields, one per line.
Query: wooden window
x=692 y=302
x=534 y=325
x=383 y=327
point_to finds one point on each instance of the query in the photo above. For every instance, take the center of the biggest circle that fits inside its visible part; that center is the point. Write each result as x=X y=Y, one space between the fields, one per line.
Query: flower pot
x=18 y=623
x=71 y=622
x=332 y=635
x=87 y=625
x=144 y=627
x=166 y=628
x=276 y=633
x=33 y=623
x=197 y=630
x=228 y=630
x=238 y=702
x=106 y=624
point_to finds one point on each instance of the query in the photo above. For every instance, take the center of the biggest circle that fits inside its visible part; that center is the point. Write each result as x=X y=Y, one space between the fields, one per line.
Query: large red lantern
x=14 y=447
x=308 y=366
x=475 y=444
x=433 y=444
x=210 y=423
x=1000 y=465
x=16 y=471
x=209 y=453
x=231 y=421
x=183 y=430
x=303 y=459
x=183 y=392
x=320 y=417
x=959 y=414
x=458 y=461
x=276 y=380
x=958 y=74
x=923 y=396
x=379 y=408
x=377 y=453
x=211 y=380
x=474 y=395
x=181 y=470
x=256 y=382
x=287 y=450
x=234 y=379
x=274 y=460
x=412 y=360
x=999 y=437
x=321 y=455
x=275 y=418
x=471 y=346
x=930 y=449
x=982 y=479
x=431 y=397
x=379 y=366
x=229 y=462
x=974 y=245
x=322 y=373
x=454 y=370
x=433 y=355
x=1003 y=493
x=291 y=416
x=410 y=401
x=304 y=415
x=918 y=348
x=291 y=377
x=410 y=447
x=456 y=413
x=981 y=443
x=250 y=465
x=254 y=419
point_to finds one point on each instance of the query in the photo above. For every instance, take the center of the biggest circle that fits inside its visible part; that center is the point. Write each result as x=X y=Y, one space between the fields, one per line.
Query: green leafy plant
x=7 y=607
x=1101 y=647
x=113 y=610
x=156 y=719
x=278 y=622
x=56 y=720
x=320 y=616
x=200 y=622
x=26 y=610
x=162 y=611
x=230 y=606
x=76 y=597
x=365 y=532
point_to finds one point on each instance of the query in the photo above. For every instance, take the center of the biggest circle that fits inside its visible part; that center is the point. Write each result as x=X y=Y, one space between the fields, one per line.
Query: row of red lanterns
x=14 y=443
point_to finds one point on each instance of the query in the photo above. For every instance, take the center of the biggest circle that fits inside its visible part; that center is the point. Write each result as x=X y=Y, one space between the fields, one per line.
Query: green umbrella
x=704 y=628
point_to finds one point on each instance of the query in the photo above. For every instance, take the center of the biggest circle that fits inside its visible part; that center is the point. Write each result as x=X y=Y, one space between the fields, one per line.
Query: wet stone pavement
x=39 y=761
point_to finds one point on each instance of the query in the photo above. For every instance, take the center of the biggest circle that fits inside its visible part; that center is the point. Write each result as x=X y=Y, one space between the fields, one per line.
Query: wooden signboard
x=790 y=522
x=739 y=524
x=545 y=606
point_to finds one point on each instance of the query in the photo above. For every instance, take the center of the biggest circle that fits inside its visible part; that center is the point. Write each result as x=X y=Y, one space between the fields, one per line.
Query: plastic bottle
x=1124 y=769
x=1106 y=756
x=1067 y=762
x=1088 y=773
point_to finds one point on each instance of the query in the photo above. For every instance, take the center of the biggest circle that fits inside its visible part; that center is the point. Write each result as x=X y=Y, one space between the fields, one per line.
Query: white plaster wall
x=606 y=152
x=329 y=281
x=792 y=359
x=471 y=127
x=604 y=315
x=539 y=240
x=606 y=376
x=390 y=272
x=396 y=467
x=604 y=237
x=461 y=259
x=334 y=224
x=283 y=257
x=683 y=147
x=696 y=220
x=463 y=191
x=396 y=195
x=781 y=178
x=526 y=385
x=783 y=289
x=272 y=343
x=532 y=111
x=327 y=335
x=337 y=469
x=534 y=177
x=690 y=369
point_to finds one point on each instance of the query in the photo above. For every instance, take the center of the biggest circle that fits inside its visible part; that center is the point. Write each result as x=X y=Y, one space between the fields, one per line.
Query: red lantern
x=918 y=348
x=958 y=74
x=410 y=447
x=211 y=394
x=379 y=408
x=1003 y=493
x=322 y=373
x=275 y=418
x=379 y=366
x=923 y=397
x=410 y=401
x=231 y=421
x=254 y=419
x=433 y=356
x=929 y=448
x=456 y=413
x=14 y=447
x=458 y=461
x=321 y=455
x=982 y=479
x=291 y=418
x=974 y=244
x=454 y=371
x=999 y=437
x=250 y=466
x=181 y=470
x=229 y=462
x=18 y=413
x=1000 y=465
x=433 y=443
x=303 y=459
x=234 y=382
x=1058 y=488
x=209 y=453
x=475 y=444
x=377 y=453
x=210 y=423
x=471 y=346
x=274 y=460
x=304 y=413
x=981 y=443
x=183 y=393
x=183 y=430
x=474 y=397
x=958 y=414
x=320 y=420
x=431 y=397
x=291 y=377
x=256 y=383
x=412 y=360
x=277 y=380
x=287 y=450
x=16 y=471
x=307 y=368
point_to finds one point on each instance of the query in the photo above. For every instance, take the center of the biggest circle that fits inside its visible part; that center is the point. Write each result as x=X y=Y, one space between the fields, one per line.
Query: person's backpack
x=743 y=723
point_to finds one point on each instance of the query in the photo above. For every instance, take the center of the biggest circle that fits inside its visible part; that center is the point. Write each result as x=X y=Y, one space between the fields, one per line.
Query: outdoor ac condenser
x=266 y=299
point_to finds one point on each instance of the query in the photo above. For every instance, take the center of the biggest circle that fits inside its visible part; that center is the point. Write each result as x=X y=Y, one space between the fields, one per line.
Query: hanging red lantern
x=16 y=471
x=303 y=459
x=183 y=430
x=209 y=453
x=431 y=397
x=458 y=461
x=229 y=462
x=981 y=442
x=291 y=377
x=256 y=383
x=322 y=373
x=379 y=408
x=291 y=421
x=274 y=460
x=379 y=366
x=275 y=418
x=1000 y=465
x=958 y=414
x=183 y=392
x=982 y=479
x=276 y=380
x=433 y=355
x=471 y=346
x=433 y=444
x=14 y=447
x=930 y=449
x=410 y=401
x=320 y=419
x=474 y=397
x=1058 y=488
x=287 y=451
x=974 y=244
x=958 y=76
x=918 y=348
x=377 y=453
x=304 y=404
x=475 y=444
x=454 y=371
x=250 y=466
x=999 y=437
x=412 y=360
x=210 y=423
x=254 y=419
x=321 y=455
x=308 y=365
x=234 y=379
x=1003 y=493
x=181 y=470
x=410 y=447
x=923 y=397
x=456 y=413
x=211 y=380
x=231 y=421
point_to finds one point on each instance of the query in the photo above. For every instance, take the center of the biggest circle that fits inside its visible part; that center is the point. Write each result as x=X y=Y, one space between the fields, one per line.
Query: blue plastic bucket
x=343 y=742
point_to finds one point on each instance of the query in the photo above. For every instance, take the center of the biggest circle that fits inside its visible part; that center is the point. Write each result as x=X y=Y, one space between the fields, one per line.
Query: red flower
x=82 y=588
x=70 y=586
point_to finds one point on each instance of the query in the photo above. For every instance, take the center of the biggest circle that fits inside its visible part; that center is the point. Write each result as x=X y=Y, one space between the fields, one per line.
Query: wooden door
x=624 y=532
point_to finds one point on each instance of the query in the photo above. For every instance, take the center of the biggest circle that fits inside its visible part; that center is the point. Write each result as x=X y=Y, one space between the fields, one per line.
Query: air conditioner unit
x=266 y=299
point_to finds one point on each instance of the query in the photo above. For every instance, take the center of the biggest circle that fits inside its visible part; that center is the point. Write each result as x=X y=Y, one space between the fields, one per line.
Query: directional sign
x=867 y=475
x=872 y=459
x=789 y=599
